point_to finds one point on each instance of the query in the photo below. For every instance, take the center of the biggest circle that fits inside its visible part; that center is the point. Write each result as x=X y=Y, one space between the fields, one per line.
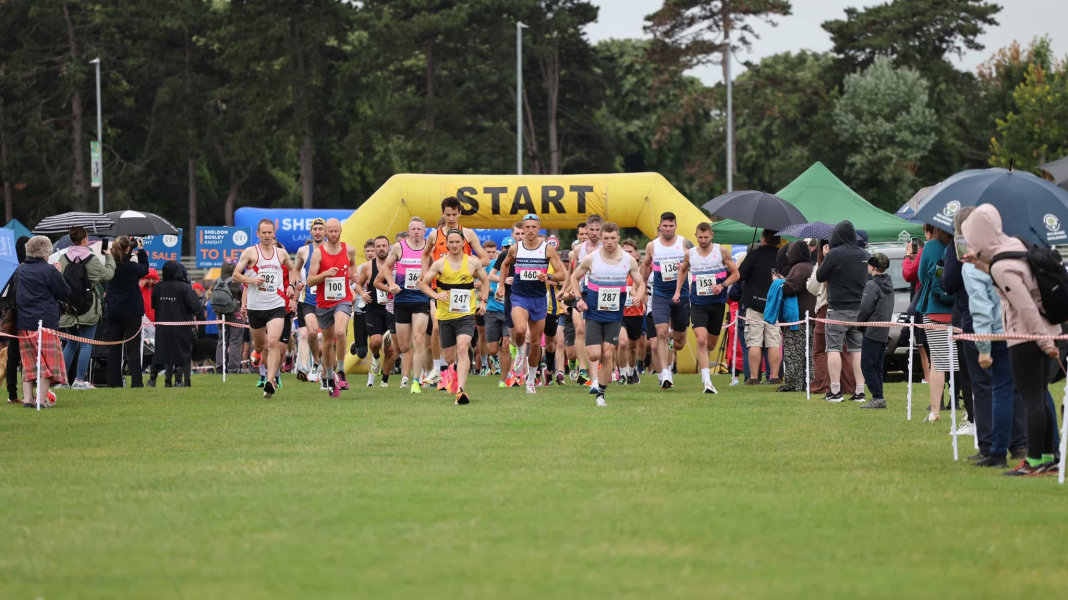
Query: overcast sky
x=1019 y=20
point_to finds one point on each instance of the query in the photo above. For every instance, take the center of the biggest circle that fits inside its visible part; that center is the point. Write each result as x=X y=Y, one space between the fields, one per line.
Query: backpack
x=80 y=300
x=1048 y=270
x=222 y=297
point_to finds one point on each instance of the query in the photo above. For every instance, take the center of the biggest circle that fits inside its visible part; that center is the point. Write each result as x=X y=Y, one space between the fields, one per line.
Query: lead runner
x=266 y=306
x=330 y=272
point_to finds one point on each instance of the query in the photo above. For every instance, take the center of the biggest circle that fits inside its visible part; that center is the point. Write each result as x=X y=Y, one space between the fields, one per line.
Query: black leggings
x=120 y=329
x=13 y=361
x=1032 y=370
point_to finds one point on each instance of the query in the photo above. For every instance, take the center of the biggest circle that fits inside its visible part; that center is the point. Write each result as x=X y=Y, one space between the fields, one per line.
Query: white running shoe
x=403 y=383
x=323 y=387
x=710 y=389
x=314 y=373
x=432 y=379
x=965 y=428
x=531 y=389
x=383 y=384
x=600 y=400
x=376 y=366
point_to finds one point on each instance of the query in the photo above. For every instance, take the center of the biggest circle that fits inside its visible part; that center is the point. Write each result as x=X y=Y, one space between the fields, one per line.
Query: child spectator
x=877 y=304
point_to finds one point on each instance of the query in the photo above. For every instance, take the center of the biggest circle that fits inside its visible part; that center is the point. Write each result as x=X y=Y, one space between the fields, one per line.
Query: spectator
x=125 y=308
x=96 y=273
x=174 y=301
x=936 y=307
x=821 y=383
x=10 y=316
x=910 y=265
x=973 y=381
x=39 y=290
x=876 y=305
x=1032 y=362
x=793 y=342
x=845 y=271
x=755 y=273
x=226 y=303
x=1006 y=412
x=148 y=283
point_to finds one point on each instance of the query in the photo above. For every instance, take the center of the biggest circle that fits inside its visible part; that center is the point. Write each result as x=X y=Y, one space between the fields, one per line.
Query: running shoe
x=454 y=380
x=262 y=381
x=461 y=397
x=531 y=389
x=313 y=375
x=384 y=384
x=416 y=389
x=667 y=384
x=861 y=398
x=634 y=379
x=353 y=348
x=600 y=400
x=376 y=366
x=710 y=389
x=932 y=418
x=256 y=358
x=615 y=375
x=1024 y=469
x=278 y=382
x=335 y=388
x=833 y=397
x=342 y=382
x=302 y=376
x=81 y=384
x=432 y=379
x=403 y=383
x=572 y=365
x=501 y=384
x=560 y=378
x=594 y=391
x=268 y=390
x=583 y=377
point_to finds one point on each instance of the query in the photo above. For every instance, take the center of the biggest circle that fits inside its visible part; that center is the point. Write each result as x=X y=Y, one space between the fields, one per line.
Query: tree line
x=209 y=105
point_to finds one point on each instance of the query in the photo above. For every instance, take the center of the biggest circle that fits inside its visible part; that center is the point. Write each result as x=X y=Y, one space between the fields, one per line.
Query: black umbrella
x=1030 y=206
x=65 y=242
x=815 y=229
x=755 y=209
x=94 y=222
x=139 y=223
x=1059 y=170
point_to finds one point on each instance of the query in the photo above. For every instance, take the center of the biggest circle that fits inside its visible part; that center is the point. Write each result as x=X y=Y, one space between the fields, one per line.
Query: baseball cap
x=318 y=221
x=879 y=261
x=508 y=241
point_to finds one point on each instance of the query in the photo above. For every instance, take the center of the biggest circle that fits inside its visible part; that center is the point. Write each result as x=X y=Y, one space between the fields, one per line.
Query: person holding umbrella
x=77 y=320
x=125 y=309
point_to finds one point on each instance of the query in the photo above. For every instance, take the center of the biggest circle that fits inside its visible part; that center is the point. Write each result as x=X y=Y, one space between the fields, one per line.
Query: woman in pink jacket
x=1032 y=362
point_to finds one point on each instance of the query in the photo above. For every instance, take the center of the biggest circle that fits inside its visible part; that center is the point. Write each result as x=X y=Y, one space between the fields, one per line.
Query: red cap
x=197 y=287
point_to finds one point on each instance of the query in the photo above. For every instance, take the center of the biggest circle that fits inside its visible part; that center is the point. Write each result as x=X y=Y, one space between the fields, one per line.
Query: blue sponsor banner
x=216 y=245
x=163 y=248
x=292 y=226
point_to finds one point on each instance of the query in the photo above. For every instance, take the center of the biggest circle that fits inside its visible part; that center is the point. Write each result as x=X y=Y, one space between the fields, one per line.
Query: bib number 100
x=335 y=288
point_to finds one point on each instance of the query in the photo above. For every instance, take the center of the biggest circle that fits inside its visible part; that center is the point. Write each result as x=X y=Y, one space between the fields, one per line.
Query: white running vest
x=268 y=297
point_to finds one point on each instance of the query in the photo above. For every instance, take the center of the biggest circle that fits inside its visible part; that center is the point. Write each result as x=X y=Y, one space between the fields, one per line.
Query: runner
x=712 y=271
x=266 y=307
x=480 y=320
x=531 y=258
x=593 y=242
x=514 y=353
x=630 y=348
x=400 y=275
x=605 y=299
x=666 y=257
x=498 y=340
x=455 y=276
x=309 y=325
x=332 y=266
x=379 y=321
x=553 y=329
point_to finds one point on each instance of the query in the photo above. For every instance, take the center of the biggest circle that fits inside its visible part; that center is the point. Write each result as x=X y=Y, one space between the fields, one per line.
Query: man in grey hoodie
x=876 y=305
x=845 y=270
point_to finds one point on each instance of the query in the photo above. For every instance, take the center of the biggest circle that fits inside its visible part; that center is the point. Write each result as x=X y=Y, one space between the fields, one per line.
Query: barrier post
x=912 y=343
x=1064 y=433
x=808 y=362
x=226 y=347
x=734 y=350
x=141 y=338
x=953 y=392
x=40 y=339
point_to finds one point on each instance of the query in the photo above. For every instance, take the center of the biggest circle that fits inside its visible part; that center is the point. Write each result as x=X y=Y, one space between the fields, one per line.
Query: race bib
x=669 y=270
x=460 y=301
x=381 y=297
x=528 y=275
x=608 y=299
x=411 y=279
x=270 y=282
x=335 y=289
x=632 y=299
x=704 y=284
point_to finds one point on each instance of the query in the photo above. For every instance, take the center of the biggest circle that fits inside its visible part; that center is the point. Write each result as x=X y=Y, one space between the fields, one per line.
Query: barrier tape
x=82 y=340
x=19 y=337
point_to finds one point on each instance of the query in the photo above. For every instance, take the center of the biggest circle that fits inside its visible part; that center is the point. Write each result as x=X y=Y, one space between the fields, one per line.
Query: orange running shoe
x=256 y=358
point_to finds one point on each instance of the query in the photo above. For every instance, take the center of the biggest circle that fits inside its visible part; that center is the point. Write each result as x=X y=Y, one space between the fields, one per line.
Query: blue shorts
x=537 y=308
x=666 y=311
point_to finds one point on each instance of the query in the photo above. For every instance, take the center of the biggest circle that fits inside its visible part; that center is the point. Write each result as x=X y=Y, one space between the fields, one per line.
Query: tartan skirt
x=52 y=364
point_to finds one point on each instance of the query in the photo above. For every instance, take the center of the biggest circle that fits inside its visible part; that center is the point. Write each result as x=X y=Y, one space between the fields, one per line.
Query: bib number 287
x=608 y=299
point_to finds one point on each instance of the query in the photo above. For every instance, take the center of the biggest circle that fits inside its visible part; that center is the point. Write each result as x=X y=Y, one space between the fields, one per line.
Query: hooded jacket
x=798 y=256
x=99 y=272
x=877 y=305
x=123 y=298
x=845 y=269
x=174 y=300
x=1020 y=298
x=37 y=295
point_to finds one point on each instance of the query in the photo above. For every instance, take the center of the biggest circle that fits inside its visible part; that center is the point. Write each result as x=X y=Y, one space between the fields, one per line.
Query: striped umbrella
x=94 y=222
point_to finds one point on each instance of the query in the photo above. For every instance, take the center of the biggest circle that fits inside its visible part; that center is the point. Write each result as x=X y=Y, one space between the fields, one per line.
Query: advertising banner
x=216 y=245
x=163 y=248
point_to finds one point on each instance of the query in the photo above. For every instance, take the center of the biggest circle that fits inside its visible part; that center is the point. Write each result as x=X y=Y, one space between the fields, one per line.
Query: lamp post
x=519 y=27
x=730 y=119
x=99 y=137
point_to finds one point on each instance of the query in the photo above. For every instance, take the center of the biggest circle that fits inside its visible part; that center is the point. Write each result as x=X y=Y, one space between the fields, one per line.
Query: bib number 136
x=669 y=270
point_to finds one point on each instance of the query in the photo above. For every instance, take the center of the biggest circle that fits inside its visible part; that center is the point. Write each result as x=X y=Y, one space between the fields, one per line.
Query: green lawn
x=213 y=492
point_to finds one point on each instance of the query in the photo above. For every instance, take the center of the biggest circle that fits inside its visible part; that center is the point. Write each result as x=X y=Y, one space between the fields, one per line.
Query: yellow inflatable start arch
x=497 y=201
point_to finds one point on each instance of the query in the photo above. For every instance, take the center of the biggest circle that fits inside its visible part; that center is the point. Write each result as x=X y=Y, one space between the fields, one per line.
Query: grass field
x=213 y=492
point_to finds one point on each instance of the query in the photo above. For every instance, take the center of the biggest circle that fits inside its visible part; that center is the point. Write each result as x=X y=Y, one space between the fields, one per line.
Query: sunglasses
x=531 y=218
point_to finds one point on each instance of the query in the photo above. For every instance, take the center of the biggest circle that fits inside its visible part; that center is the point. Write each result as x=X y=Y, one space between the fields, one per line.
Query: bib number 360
x=411 y=279
x=608 y=299
x=460 y=301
